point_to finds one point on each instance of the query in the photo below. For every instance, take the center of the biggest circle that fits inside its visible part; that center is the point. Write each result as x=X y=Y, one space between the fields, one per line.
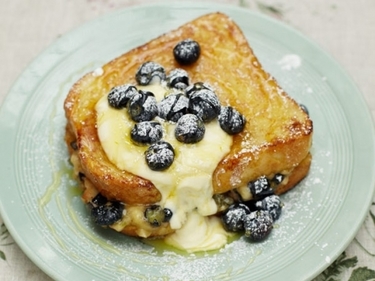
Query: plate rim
x=221 y=7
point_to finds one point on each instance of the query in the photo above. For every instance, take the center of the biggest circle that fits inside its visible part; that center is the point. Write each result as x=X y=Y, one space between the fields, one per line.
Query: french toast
x=275 y=140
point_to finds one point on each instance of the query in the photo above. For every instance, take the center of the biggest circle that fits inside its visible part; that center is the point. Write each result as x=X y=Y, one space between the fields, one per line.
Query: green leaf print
x=337 y=267
x=2 y=255
x=273 y=10
x=4 y=234
x=362 y=274
x=372 y=215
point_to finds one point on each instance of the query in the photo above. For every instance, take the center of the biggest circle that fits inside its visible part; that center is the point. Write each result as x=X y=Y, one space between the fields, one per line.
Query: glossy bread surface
x=277 y=136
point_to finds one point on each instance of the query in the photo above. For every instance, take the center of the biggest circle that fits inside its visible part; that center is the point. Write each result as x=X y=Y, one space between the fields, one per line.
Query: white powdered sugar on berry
x=150 y=104
x=185 y=186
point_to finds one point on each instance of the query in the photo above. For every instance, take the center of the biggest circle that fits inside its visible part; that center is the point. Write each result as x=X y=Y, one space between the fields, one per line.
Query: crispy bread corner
x=278 y=133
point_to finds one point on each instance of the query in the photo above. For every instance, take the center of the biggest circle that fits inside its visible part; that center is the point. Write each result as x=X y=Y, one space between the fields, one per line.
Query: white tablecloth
x=345 y=29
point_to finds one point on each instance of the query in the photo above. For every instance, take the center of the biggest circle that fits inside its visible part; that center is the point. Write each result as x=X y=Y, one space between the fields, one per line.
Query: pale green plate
x=41 y=206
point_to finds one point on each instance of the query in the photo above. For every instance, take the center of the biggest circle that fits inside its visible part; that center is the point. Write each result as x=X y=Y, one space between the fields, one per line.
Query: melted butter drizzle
x=69 y=215
x=186 y=186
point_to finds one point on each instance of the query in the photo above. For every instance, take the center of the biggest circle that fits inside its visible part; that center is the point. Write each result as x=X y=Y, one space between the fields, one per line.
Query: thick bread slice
x=276 y=139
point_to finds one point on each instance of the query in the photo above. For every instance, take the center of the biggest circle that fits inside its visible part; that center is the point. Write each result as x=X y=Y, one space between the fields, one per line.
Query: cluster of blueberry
x=105 y=212
x=188 y=106
x=255 y=217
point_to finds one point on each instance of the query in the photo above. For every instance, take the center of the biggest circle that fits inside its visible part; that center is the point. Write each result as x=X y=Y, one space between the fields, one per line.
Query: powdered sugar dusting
x=290 y=61
x=98 y=72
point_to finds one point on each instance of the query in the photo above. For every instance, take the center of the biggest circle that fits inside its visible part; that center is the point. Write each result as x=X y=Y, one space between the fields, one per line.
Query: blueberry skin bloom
x=189 y=129
x=178 y=78
x=233 y=218
x=107 y=214
x=119 y=96
x=147 y=132
x=148 y=72
x=258 y=225
x=231 y=121
x=272 y=204
x=205 y=104
x=159 y=156
x=187 y=51
x=173 y=106
x=142 y=106
x=260 y=187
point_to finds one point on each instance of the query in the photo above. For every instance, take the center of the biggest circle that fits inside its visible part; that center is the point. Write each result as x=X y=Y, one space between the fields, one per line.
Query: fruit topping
x=178 y=78
x=119 y=96
x=147 y=132
x=159 y=156
x=196 y=87
x=277 y=179
x=99 y=200
x=258 y=225
x=156 y=215
x=173 y=106
x=189 y=129
x=205 y=104
x=272 y=204
x=233 y=218
x=167 y=214
x=260 y=187
x=186 y=51
x=150 y=72
x=230 y=120
x=108 y=213
x=142 y=106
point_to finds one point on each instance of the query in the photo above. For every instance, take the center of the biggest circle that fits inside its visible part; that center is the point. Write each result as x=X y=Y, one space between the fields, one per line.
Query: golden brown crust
x=277 y=135
x=298 y=174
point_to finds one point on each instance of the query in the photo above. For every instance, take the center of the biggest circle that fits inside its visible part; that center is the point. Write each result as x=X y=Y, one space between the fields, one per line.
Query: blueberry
x=186 y=51
x=277 y=179
x=159 y=156
x=196 y=87
x=233 y=218
x=167 y=214
x=304 y=108
x=260 y=187
x=119 y=96
x=149 y=71
x=99 y=200
x=173 y=106
x=142 y=106
x=146 y=132
x=189 y=129
x=108 y=213
x=156 y=215
x=178 y=78
x=258 y=225
x=230 y=120
x=205 y=104
x=272 y=204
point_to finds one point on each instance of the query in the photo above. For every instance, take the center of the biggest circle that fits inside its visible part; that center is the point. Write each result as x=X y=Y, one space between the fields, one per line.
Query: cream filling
x=199 y=233
x=186 y=186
